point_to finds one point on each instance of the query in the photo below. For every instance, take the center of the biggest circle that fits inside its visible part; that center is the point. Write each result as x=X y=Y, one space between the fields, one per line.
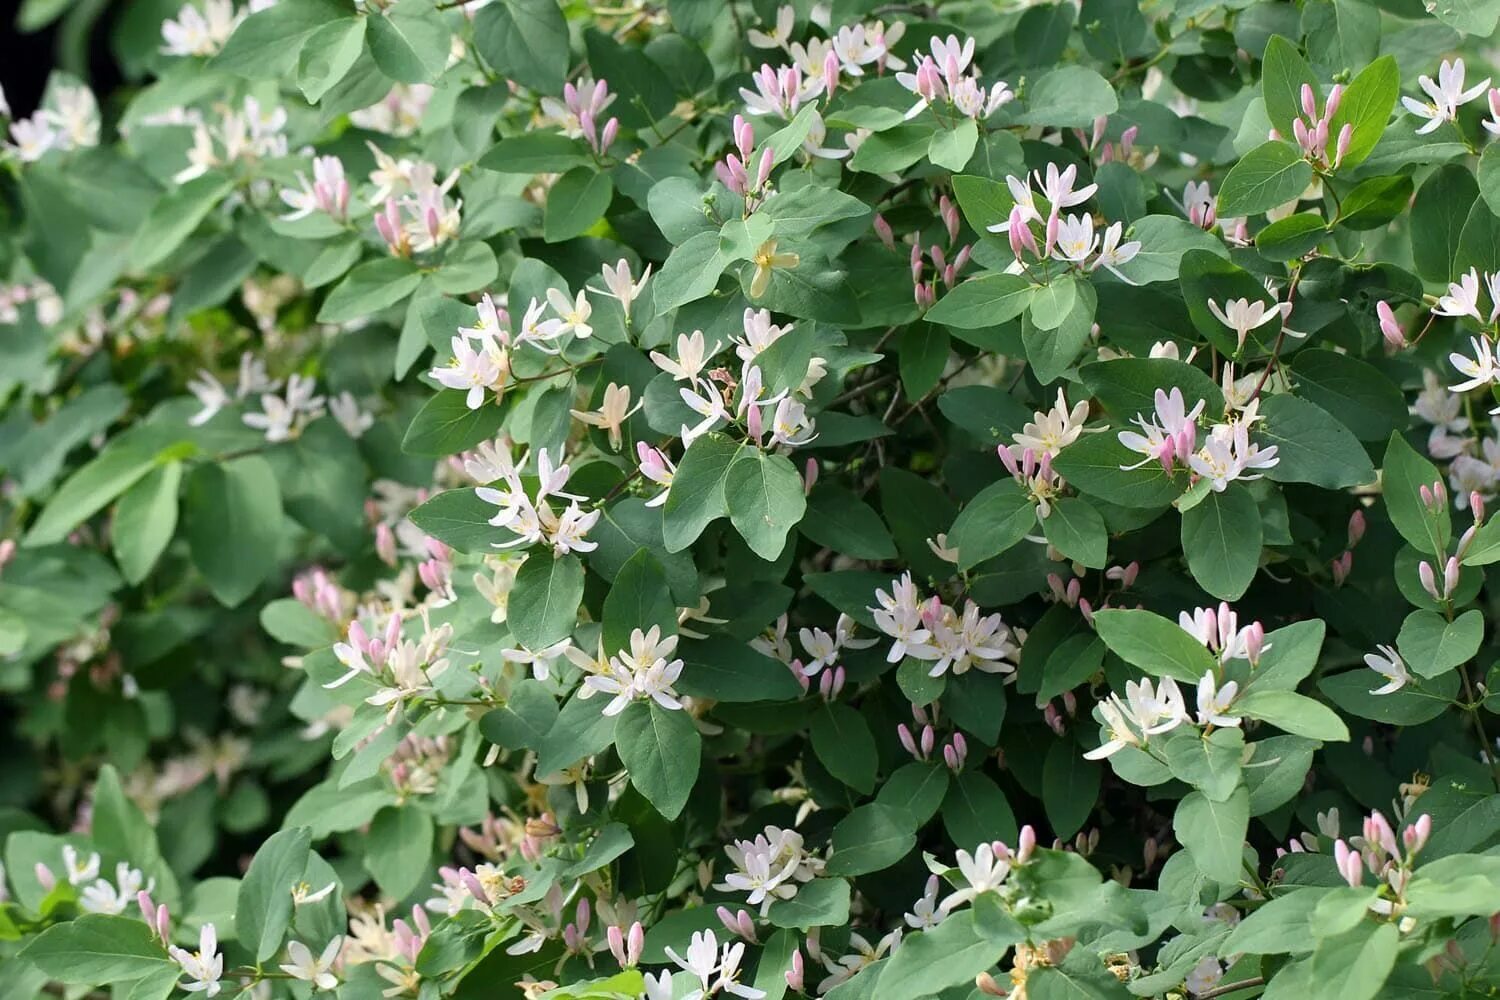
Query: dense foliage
x=708 y=499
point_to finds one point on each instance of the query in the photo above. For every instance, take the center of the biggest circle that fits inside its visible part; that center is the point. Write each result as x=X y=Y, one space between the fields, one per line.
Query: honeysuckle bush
x=710 y=499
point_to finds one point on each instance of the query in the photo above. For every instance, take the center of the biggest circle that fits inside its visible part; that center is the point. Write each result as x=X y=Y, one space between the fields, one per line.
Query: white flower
x=1446 y=96
x=345 y=409
x=983 y=872
x=643 y=672
x=475 y=369
x=203 y=968
x=1214 y=702
x=196 y=33
x=1114 y=253
x=1477 y=371
x=1229 y=454
x=1075 y=238
x=573 y=315
x=621 y=285
x=824 y=648
x=925 y=913
x=899 y=616
x=1462 y=298
x=33 y=137
x=690 y=358
x=1051 y=431
x=1388 y=664
x=1242 y=315
x=613 y=411
x=317 y=971
x=80 y=870
x=781 y=31
x=1057 y=187
x=771 y=867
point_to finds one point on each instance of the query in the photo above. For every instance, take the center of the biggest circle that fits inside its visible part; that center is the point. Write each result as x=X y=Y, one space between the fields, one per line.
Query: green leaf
x=458 y=519
x=1363 y=399
x=369 y=288
x=263 y=908
x=1068 y=97
x=1268 y=176
x=951 y=148
x=577 y=201
x=1432 y=645
x=975 y=810
x=1126 y=387
x=661 y=750
x=1076 y=529
x=328 y=55
x=1355 y=965
x=1156 y=645
x=997 y=518
x=1095 y=465
x=266 y=44
x=1214 y=833
x=1438 y=215
x=1210 y=764
x=871 y=838
x=691 y=272
x=728 y=670
x=544 y=602
x=1283 y=924
x=696 y=496
x=841 y=738
x=950 y=954
x=1283 y=74
x=1070 y=788
x=1294 y=713
x=535 y=153
x=1311 y=447
x=409 y=47
x=446 y=426
x=523 y=722
x=917 y=789
x=1412 y=705
x=1374 y=202
x=1221 y=537
x=764 y=495
x=1292 y=237
x=1367 y=105
x=1050 y=352
x=1051 y=303
x=174 y=218
x=1164 y=240
x=397 y=849
x=985 y=301
x=822 y=902
x=639 y=599
x=525 y=41
x=840 y=520
x=145 y=519
x=1403 y=474
x=233 y=521
x=96 y=949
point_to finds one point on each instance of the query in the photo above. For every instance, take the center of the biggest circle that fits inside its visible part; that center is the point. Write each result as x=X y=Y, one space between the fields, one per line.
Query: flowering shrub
x=705 y=499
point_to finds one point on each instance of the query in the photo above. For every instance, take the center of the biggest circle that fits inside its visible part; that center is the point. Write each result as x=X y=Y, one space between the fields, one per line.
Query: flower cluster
x=931 y=631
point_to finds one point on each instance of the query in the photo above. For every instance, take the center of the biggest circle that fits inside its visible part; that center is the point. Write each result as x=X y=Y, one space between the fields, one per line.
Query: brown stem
x=1225 y=990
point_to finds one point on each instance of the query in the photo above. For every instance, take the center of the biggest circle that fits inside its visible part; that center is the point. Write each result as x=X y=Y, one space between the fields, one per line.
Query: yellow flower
x=766 y=258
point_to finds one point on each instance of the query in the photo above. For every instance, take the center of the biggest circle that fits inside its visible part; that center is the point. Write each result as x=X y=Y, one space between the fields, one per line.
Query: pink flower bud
x=883 y=230
x=948 y=212
x=1349 y=863
x=1476 y=505
x=1356 y=527
x=1450 y=577
x=1389 y=328
x=1099 y=125
x=1429 y=580
x=1414 y=837
x=1345 y=140
x=1331 y=107
x=1026 y=845
x=1341 y=567
x=476 y=889
x=1309 y=102
x=1051 y=236
x=1425 y=492
x=903 y=733
x=794 y=974
x=763 y=172
x=45 y=877
x=809 y=475
x=616 y=940
x=607 y=139
x=929 y=738
x=830 y=72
